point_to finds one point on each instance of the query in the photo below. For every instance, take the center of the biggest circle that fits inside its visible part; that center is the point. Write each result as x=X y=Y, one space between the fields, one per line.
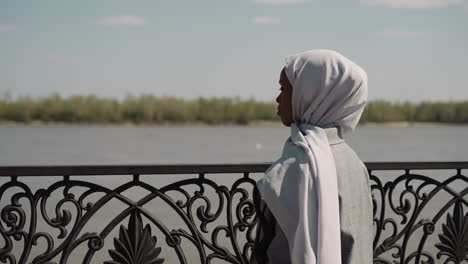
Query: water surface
x=59 y=145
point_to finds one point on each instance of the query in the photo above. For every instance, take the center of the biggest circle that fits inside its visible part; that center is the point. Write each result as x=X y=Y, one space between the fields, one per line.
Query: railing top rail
x=200 y=168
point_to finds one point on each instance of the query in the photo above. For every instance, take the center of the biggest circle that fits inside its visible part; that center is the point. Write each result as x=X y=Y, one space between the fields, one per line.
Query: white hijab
x=301 y=187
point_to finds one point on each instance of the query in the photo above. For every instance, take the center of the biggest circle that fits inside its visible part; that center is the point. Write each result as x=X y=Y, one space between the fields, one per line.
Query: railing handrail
x=101 y=170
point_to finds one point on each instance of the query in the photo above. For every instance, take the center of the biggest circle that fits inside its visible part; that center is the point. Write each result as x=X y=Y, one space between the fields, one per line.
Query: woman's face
x=284 y=100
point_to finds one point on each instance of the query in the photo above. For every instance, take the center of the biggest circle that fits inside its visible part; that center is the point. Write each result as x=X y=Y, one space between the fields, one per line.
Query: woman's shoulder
x=346 y=159
x=293 y=157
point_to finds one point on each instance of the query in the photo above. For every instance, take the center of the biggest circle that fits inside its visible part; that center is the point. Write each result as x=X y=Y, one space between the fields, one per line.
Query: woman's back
x=318 y=191
x=355 y=202
x=355 y=211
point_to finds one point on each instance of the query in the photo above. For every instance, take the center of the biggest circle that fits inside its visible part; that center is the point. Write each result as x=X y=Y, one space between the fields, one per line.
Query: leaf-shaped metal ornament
x=135 y=245
x=454 y=237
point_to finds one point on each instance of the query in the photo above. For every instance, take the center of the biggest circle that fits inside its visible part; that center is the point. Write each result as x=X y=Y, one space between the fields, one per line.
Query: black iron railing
x=205 y=214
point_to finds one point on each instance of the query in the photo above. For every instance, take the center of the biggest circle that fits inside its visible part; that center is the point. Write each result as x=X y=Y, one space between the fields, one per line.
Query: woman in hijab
x=316 y=205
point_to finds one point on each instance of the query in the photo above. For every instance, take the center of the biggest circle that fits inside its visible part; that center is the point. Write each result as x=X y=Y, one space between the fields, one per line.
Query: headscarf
x=301 y=187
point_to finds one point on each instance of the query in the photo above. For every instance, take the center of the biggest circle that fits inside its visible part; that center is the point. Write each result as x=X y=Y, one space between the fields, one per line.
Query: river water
x=80 y=145
x=60 y=145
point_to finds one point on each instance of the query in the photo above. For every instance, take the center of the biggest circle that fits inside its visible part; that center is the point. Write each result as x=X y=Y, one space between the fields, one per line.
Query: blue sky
x=412 y=49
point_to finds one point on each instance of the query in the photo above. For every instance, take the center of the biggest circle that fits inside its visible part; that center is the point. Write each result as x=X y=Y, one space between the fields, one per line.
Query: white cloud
x=278 y=2
x=402 y=34
x=266 y=20
x=412 y=3
x=7 y=28
x=66 y=59
x=122 y=20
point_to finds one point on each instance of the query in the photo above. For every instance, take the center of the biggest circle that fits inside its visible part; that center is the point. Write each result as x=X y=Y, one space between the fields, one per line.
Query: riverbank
x=411 y=124
x=168 y=111
x=201 y=124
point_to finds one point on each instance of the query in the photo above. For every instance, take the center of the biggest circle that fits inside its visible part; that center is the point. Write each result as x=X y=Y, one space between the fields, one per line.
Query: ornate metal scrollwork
x=135 y=245
x=454 y=238
x=408 y=216
x=230 y=239
x=417 y=219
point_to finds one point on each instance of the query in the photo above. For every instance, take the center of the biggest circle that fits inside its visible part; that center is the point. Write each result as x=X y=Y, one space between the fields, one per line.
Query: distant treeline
x=439 y=112
x=156 y=110
x=142 y=109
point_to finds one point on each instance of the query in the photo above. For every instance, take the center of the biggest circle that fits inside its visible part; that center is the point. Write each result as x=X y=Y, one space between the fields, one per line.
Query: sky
x=412 y=50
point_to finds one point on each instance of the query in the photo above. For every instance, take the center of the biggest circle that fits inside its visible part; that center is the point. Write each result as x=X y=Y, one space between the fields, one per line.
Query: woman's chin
x=286 y=123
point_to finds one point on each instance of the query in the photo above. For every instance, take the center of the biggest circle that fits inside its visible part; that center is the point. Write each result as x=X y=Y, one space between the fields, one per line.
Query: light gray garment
x=355 y=208
x=301 y=187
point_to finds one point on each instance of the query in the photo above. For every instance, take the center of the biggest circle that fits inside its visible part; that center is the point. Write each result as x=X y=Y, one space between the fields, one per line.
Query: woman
x=316 y=204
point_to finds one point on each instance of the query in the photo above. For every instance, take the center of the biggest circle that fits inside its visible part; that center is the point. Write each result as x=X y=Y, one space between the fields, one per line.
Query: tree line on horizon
x=148 y=109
